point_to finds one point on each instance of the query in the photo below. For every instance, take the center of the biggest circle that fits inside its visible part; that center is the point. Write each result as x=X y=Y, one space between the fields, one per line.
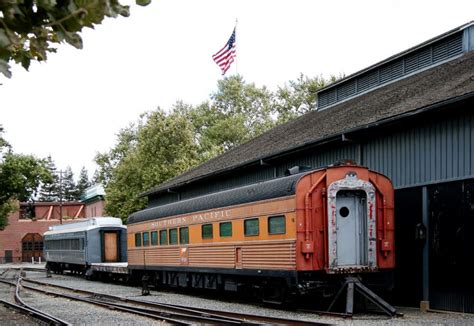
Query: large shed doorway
x=32 y=247
x=434 y=254
x=451 y=252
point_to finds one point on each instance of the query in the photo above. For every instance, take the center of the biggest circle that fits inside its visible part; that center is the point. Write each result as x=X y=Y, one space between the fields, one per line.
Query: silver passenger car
x=75 y=246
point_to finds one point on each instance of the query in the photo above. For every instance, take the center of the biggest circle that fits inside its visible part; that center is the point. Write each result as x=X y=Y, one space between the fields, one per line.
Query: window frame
x=211 y=234
x=154 y=243
x=274 y=217
x=138 y=239
x=146 y=239
x=258 y=227
x=171 y=243
x=220 y=229
x=166 y=242
x=181 y=235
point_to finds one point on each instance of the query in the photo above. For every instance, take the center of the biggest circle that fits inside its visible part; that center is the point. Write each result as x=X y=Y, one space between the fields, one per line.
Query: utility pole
x=60 y=172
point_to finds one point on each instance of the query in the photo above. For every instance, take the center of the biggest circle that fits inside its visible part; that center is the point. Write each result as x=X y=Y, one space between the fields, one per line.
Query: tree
x=50 y=189
x=298 y=97
x=68 y=190
x=107 y=162
x=29 y=29
x=159 y=147
x=235 y=113
x=3 y=142
x=163 y=145
x=20 y=178
x=82 y=184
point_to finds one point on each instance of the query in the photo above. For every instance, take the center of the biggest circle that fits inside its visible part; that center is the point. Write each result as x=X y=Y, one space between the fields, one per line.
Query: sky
x=73 y=105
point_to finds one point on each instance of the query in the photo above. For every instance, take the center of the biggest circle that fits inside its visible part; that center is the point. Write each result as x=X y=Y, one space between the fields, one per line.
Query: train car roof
x=89 y=224
x=275 y=188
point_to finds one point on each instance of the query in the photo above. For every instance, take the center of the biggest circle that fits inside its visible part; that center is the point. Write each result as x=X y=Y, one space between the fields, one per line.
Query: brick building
x=22 y=239
x=93 y=198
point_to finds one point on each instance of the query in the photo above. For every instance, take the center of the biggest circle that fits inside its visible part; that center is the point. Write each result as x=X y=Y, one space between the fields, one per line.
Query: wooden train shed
x=409 y=117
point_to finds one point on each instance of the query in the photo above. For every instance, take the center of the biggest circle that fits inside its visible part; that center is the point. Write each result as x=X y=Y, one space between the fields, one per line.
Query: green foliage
x=3 y=142
x=6 y=208
x=298 y=97
x=82 y=184
x=29 y=29
x=69 y=190
x=163 y=145
x=20 y=178
x=50 y=189
x=159 y=147
x=127 y=140
x=235 y=113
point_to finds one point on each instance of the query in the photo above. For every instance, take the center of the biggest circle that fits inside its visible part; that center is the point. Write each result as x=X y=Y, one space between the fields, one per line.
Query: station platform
x=30 y=266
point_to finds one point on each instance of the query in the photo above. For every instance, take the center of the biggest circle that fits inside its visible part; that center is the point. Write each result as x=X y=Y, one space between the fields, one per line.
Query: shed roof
x=451 y=80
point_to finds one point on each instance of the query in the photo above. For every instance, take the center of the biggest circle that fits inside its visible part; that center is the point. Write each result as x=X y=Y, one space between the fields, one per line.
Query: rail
x=163 y=310
x=28 y=310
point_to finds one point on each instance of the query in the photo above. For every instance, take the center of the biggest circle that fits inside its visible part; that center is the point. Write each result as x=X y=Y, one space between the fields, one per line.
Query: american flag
x=225 y=56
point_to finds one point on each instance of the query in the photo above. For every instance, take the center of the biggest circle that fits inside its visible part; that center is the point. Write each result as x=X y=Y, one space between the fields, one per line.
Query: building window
x=206 y=231
x=251 y=227
x=138 y=239
x=146 y=238
x=225 y=229
x=173 y=236
x=277 y=224
x=154 y=238
x=184 y=235
x=163 y=237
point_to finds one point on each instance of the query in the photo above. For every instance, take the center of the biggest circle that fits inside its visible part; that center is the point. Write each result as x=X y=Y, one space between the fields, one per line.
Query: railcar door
x=110 y=247
x=351 y=228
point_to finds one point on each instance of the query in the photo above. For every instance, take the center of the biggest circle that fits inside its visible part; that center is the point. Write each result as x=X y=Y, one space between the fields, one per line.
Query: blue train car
x=76 y=246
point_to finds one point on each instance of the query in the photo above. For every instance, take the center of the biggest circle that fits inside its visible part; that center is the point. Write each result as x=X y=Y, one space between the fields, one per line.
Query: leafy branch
x=29 y=29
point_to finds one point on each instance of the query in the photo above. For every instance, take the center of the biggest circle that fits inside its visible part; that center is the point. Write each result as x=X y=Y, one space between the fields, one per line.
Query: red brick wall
x=10 y=238
x=95 y=209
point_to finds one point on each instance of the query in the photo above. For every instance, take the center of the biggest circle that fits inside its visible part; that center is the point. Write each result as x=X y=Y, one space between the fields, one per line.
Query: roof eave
x=319 y=142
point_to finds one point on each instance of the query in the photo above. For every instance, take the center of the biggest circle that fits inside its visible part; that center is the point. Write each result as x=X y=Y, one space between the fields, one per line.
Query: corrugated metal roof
x=276 y=188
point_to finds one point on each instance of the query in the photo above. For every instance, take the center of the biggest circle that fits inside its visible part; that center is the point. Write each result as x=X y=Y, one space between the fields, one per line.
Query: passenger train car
x=295 y=234
x=76 y=246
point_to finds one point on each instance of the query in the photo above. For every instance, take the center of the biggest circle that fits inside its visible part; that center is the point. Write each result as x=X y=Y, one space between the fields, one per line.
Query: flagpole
x=236 y=70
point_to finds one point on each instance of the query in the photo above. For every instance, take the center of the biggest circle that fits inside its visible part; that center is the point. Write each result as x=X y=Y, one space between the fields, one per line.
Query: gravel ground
x=74 y=312
x=79 y=313
x=8 y=316
x=84 y=315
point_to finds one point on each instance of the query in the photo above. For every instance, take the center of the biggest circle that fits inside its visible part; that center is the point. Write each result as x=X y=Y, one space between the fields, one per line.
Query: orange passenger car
x=289 y=233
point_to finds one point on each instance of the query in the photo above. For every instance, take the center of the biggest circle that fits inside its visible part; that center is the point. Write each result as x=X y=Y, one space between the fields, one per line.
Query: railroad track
x=26 y=309
x=172 y=313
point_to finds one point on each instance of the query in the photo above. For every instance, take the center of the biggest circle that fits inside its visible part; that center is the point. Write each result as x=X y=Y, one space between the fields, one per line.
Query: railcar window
x=75 y=244
x=154 y=238
x=225 y=229
x=65 y=244
x=173 y=236
x=138 y=239
x=251 y=227
x=183 y=235
x=163 y=237
x=277 y=224
x=146 y=239
x=206 y=231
